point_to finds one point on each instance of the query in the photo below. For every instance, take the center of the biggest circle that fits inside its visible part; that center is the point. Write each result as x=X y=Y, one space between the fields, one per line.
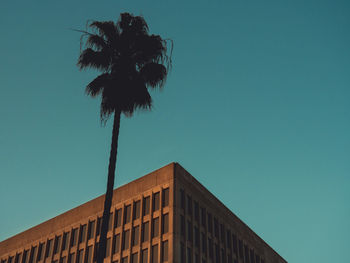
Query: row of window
x=215 y=237
x=87 y=256
x=146 y=233
x=218 y=255
x=93 y=228
x=143 y=257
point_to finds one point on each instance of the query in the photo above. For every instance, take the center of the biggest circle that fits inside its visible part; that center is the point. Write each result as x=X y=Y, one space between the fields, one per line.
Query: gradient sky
x=256 y=108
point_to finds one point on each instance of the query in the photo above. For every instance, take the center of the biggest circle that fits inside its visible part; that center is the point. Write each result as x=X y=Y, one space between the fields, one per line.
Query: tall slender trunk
x=101 y=252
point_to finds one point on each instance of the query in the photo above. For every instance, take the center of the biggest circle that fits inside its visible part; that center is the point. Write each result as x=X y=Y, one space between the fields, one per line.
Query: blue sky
x=256 y=108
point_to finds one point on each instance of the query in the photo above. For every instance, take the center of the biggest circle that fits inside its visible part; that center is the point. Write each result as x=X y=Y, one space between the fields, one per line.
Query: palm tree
x=131 y=61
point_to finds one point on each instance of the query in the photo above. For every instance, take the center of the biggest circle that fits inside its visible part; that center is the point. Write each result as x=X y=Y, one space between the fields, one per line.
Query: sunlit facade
x=165 y=216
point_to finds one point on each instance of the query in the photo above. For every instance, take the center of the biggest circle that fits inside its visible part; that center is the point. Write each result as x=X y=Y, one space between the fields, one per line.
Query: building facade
x=165 y=216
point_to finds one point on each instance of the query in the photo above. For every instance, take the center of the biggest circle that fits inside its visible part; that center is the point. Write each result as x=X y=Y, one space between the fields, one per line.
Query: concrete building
x=165 y=216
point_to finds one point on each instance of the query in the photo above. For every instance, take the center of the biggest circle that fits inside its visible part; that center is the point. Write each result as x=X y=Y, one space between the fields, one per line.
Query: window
x=73 y=240
x=127 y=213
x=240 y=248
x=135 y=235
x=82 y=234
x=118 y=218
x=108 y=247
x=99 y=226
x=234 y=242
x=25 y=256
x=155 y=227
x=32 y=255
x=210 y=223
x=88 y=255
x=165 y=224
x=196 y=211
x=65 y=239
x=18 y=258
x=222 y=233
x=189 y=231
x=210 y=244
x=57 y=244
x=126 y=238
x=182 y=225
x=216 y=228
x=165 y=251
x=145 y=231
x=246 y=253
x=223 y=256
x=156 y=198
x=165 y=197
x=196 y=236
x=144 y=256
x=137 y=207
x=189 y=255
x=80 y=256
x=134 y=258
x=110 y=221
x=71 y=258
x=48 y=252
x=204 y=243
x=217 y=253
x=228 y=238
x=196 y=258
x=203 y=216
x=91 y=229
x=125 y=260
x=40 y=252
x=182 y=253
x=189 y=205
x=95 y=251
x=252 y=256
x=116 y=243
x=154 y=254
x=182 y=199
x=146 y=204
x=63 y=260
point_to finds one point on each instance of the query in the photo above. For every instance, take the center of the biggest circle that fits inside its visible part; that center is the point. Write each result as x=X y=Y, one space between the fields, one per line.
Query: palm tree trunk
x=101 y=252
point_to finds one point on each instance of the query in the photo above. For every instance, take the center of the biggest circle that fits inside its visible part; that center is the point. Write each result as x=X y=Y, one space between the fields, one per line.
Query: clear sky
x=256 y=108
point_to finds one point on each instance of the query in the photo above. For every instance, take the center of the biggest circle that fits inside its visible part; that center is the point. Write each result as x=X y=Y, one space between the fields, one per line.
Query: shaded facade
x=165 y=216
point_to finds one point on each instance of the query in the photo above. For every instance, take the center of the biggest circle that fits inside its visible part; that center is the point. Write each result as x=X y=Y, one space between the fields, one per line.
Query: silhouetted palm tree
x=131 y=61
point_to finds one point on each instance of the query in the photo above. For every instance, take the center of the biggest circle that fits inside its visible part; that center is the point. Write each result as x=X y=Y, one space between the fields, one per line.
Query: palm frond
x=95 y=87
x=168 y=53
x=112 y=97
x=149 y=49
x=154 y=74
x=139 y=26
x=90 y=58
x=137 y=97
x=106 y=29
x=106 y=110
x=131 y=61
x=124 y=21
x=96 y=41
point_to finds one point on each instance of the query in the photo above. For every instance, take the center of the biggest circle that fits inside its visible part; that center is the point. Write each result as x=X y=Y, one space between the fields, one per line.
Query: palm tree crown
x=131 y=61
